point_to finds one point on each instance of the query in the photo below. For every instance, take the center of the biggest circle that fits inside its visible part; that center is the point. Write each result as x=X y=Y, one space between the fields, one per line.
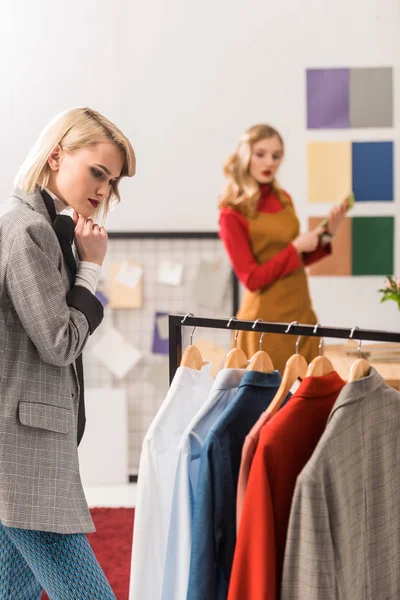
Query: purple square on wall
x=328 y=98
x=160 y=334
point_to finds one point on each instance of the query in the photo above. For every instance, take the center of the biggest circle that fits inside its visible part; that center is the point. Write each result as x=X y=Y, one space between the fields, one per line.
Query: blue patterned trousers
x=62 y=565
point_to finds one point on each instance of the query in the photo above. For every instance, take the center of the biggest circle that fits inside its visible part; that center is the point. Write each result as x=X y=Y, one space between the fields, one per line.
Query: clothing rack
x=176 y=322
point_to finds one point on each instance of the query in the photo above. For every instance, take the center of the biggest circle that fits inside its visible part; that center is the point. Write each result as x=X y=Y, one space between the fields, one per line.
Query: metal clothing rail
x=176 y=323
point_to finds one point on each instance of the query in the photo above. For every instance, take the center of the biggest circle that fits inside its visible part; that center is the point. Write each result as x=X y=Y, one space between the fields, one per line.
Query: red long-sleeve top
x=234 y=233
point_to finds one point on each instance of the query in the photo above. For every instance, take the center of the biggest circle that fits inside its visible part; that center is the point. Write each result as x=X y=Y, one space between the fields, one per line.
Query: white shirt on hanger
x=157 y=469
x=177 y=562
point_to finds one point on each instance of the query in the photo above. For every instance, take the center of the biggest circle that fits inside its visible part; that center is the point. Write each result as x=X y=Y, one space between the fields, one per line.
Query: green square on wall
x=373 y=245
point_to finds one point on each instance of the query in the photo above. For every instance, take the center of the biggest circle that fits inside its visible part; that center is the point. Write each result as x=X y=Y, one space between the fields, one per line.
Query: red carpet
x=112 y=545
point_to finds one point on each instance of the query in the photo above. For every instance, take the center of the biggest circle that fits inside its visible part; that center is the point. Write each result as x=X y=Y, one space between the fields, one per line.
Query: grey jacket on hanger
x=344 y=533
x=44 y=325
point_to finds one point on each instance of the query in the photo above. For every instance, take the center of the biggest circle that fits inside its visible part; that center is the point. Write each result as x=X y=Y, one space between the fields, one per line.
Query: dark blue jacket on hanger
x=214 y=530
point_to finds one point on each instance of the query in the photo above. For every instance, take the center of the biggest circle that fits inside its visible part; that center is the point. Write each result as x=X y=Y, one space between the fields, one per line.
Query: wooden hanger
x=295 y=369
x=191 y=357
x=360 y=367
x=321 y=365
x=261 y=361
x=236 y=358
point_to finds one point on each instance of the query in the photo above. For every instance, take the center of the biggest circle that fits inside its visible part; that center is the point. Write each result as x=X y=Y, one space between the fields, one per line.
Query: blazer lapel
x=63 y=225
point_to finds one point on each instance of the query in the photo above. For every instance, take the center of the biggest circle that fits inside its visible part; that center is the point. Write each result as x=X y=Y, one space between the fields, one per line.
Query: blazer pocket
x=45 y=416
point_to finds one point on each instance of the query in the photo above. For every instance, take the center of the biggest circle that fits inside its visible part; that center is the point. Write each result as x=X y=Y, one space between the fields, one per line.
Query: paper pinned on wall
x=129 y=274
x=115 y=353
x=99 y=463
x=126 y=285
x=211 y=282
x=158 y=376
x=160 y=333
x=170 y=273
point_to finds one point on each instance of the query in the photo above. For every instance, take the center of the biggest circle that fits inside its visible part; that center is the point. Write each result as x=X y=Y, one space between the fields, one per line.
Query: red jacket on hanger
x=286 y=443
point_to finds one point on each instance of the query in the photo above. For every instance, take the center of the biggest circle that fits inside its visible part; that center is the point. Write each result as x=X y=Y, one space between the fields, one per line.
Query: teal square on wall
x=373 y=246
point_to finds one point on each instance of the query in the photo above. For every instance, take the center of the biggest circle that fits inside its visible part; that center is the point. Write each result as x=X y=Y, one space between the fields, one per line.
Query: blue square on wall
x=373 y=171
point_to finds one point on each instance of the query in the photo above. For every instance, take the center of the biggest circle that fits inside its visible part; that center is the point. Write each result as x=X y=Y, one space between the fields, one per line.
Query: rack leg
x=175 y=347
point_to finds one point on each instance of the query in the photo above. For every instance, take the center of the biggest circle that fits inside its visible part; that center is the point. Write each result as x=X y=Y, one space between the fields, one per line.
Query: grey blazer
x=344 y=532
x=44 y=325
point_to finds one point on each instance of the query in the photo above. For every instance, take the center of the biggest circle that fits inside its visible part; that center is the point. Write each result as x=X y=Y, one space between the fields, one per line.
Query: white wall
x=183 y=80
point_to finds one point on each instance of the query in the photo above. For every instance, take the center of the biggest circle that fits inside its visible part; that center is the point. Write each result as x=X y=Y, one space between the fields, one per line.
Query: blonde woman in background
x=48 y=309
x=260 y=231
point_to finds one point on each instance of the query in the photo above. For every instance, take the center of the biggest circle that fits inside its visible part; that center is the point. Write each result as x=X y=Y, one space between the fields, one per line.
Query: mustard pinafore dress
x=286 y=300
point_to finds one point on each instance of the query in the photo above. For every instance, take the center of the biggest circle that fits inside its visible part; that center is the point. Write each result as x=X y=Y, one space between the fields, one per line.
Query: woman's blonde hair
x=242 y=192
x=73 y=129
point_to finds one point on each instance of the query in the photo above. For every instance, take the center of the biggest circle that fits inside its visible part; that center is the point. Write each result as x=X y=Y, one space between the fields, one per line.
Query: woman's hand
x=308 y=242
x=336 y=217
x=90 y=240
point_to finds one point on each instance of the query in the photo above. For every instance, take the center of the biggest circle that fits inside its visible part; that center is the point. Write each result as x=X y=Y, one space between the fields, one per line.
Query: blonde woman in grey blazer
x=47 y=311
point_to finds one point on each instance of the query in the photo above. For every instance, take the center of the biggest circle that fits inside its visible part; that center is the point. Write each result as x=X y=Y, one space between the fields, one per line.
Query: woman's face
x=83 y=179
x=265 y=159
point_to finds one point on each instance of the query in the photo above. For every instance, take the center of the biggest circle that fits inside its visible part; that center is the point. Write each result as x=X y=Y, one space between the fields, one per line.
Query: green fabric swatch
x=373 y=245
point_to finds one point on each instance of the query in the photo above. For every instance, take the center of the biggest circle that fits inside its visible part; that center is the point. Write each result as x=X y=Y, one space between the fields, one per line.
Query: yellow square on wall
x=329 y=172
